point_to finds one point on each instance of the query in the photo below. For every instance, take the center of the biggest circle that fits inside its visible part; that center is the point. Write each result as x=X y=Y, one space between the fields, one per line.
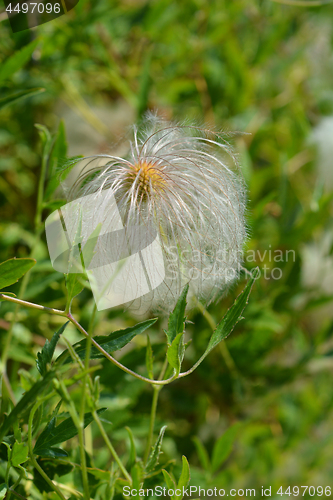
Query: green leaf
x=132 y=456
x=47 y=141
x=155 y=453
x=175 y=353
x=169 y=480
x=13 y=269
x=110 y=343
x=104 y=475
x=53 y=435
x=158 y=469
x=3 y=490
x=24 y=403
x=223 y=446
x=228 y=323
x=54 y=204
x=149 y=359
x=21 y=94
x=16 y=61
x=176 y=323
x=52 y=452
x=57 y=158
x=45 y=356
x=202 y=453
x=137 y=477
x=46 y=138
x=19 y=454
x=74 y=285
x=51 y=468
x=64 y=167
x=185 y=476
x=17 y=432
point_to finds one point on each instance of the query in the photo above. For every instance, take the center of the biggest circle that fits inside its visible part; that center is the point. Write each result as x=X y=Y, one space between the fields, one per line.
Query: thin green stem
x=191 y=370
x=7 y=468
x=110 y=447
x=17 y=495
x=40 y=190
x=6 y=382
x=70 y=490
x=83 y=400
x=12 y=488
x=156 y=390
x=24 y=303
x=116 y=362
x=151 y=422
x=94 y=343
x=79 y=424
x=31 y=453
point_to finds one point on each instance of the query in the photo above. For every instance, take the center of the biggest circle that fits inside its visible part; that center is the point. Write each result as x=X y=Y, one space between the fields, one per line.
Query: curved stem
x=71 y=318
x=116 y=362
x=191 y=370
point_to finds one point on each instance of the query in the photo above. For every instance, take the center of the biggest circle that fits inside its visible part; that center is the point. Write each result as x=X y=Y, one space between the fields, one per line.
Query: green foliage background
x=254 y=66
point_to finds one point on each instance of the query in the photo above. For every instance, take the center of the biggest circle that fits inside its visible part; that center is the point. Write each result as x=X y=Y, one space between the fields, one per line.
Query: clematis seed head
x=183 y=183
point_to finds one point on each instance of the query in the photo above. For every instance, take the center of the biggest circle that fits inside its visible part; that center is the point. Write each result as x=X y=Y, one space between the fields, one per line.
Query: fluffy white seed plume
x=179 y=182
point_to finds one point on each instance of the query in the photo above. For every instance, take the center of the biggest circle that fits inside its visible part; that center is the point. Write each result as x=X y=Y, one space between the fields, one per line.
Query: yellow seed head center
x=149 y=178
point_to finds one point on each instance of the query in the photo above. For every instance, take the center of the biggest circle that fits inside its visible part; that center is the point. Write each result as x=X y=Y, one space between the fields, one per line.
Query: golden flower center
x=148 y=178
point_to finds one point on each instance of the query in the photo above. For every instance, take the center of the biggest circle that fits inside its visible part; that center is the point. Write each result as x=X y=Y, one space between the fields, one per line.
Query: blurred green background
x=254 y=66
